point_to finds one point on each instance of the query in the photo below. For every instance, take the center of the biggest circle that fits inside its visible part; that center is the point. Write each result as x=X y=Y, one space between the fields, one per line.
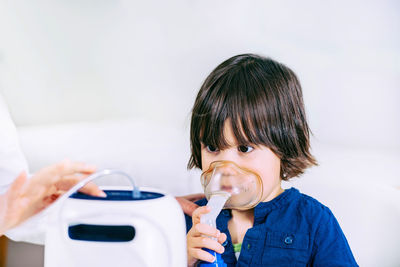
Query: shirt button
x=289 y=240
x=248 y=246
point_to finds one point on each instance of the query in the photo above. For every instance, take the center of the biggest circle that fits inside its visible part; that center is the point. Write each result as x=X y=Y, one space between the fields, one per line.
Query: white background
x=68 y=61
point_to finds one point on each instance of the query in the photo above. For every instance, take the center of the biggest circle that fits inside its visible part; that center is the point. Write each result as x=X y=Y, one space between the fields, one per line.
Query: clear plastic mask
x=244 y=187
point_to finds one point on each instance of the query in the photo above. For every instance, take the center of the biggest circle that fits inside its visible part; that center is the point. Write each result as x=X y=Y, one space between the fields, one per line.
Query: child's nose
x=227 y=169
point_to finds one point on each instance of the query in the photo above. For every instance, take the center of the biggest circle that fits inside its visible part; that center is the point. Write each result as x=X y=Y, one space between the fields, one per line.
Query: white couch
x=361 y=187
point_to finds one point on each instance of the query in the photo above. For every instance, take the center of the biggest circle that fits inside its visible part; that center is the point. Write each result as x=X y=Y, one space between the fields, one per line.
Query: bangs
x=235 y=100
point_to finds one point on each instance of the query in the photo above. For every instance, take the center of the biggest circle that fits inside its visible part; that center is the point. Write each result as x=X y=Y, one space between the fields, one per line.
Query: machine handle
x=94 y=176
x=103 y=173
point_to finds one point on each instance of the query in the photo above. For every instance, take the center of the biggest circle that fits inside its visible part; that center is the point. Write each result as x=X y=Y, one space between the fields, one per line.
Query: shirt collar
x=264 y=208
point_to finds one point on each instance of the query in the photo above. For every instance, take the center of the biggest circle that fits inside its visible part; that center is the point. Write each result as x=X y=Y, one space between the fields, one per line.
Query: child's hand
x=198 y=238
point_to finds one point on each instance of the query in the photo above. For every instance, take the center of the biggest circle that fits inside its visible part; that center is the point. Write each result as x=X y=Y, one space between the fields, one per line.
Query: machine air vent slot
x=101 y=233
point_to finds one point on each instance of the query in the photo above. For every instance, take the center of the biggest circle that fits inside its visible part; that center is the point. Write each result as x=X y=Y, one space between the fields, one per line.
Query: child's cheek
x=205 y=161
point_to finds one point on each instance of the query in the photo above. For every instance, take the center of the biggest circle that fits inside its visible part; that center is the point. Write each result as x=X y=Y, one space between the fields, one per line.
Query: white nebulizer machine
x=226 y=185
x=141 y=227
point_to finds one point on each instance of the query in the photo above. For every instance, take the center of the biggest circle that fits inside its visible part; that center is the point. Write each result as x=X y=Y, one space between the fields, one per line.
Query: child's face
x=259 y=159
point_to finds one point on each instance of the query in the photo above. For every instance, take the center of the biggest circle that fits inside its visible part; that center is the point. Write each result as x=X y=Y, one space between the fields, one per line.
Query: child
x=250 y=111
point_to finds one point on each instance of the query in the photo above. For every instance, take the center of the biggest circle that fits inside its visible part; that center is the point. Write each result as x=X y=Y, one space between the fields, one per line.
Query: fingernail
x=102 y=194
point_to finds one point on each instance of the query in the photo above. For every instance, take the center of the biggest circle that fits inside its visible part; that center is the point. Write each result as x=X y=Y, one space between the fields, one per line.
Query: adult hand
x=27 y=197
x=187 y=202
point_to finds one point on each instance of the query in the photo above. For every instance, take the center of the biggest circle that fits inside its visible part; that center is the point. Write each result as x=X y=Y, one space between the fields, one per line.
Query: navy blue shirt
x=293 y=229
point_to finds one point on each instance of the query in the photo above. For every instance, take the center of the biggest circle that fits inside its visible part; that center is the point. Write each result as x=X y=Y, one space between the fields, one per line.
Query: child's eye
x=245 y=149
x=211 y=148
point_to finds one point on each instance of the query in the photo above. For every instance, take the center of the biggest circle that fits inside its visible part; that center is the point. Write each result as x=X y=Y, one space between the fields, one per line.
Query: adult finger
x=194 y=197
x=93 y=190
x=68 y=181
x=187 y=206
x=66 y=167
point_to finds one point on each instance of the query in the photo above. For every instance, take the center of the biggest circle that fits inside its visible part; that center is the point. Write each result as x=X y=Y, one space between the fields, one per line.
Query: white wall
x=64 y=61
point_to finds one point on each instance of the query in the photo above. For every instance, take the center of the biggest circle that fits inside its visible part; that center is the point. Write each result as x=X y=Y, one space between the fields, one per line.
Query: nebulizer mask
x=227 y=185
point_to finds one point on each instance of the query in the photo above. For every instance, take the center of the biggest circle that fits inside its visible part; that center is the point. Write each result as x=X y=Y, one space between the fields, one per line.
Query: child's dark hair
x=263 y=100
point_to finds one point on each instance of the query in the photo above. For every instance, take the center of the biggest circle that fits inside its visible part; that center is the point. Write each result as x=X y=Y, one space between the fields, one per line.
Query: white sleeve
x=12 y=160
